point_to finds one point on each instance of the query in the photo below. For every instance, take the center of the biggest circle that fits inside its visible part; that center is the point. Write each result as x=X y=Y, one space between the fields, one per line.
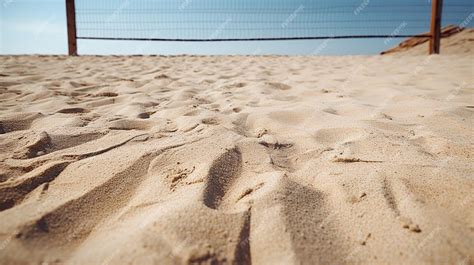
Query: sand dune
x=454 y=40
x=236 y=160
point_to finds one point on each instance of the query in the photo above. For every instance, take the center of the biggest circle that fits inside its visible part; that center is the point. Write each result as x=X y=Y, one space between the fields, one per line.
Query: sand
x=237 y=160
x=455 y=41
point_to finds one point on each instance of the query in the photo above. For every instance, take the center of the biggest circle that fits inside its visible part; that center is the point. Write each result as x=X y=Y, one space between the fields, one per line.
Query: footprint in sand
x=35 y=148
x=78 y=84
x=73 y=110
x=18 y=122
x=210 y=121
x=106 y=94
x=279 y=86
x=127 y=124
x=236 y=109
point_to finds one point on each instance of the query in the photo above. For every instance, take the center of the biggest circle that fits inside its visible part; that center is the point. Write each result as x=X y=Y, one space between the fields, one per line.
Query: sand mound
x=454 y=40
x=237 y=160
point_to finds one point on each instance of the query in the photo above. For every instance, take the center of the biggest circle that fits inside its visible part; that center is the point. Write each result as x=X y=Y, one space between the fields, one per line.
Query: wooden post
x=71 y=27
x=435 y=39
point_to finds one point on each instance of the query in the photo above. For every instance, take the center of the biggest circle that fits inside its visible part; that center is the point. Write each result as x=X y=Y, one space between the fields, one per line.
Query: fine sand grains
x=236 y=160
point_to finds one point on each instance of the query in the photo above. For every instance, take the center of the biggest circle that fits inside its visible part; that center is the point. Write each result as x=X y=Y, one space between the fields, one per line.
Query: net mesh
x=215 y=20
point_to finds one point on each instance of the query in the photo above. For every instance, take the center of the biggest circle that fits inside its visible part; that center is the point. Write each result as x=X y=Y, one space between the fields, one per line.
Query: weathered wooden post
x=71 y=27
x=435 y=39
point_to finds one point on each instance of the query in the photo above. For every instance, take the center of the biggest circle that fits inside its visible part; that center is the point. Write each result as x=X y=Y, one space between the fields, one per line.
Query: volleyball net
x=239 y=20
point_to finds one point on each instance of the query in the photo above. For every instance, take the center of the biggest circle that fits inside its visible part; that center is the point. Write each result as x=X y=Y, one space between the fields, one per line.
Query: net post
x=71 y=27
x=435 y=28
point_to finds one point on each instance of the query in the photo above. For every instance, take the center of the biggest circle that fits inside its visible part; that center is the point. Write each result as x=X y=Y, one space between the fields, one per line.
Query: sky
x=39 y=26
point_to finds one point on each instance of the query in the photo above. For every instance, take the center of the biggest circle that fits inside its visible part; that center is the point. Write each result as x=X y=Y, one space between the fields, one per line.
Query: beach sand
x=236 y=159
x=455 y=41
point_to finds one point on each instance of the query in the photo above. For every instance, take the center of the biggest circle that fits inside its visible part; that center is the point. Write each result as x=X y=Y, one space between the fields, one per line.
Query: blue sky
x=39 y=27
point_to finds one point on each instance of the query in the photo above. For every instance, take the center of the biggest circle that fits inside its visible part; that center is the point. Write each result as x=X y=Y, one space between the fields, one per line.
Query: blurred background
x=39 y=27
